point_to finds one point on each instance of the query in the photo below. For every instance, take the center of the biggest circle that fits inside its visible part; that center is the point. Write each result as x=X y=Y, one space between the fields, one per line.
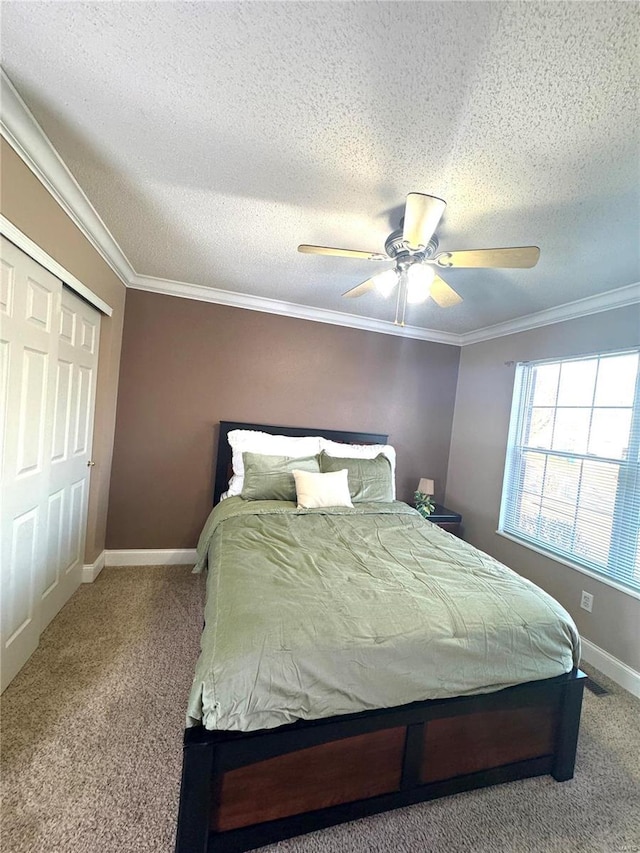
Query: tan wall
x=187 y=365
x=476 y=467
x=30 y=207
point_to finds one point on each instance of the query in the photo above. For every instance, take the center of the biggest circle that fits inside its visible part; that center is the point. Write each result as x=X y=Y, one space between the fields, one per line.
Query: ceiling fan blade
x=344 y=253
x=422 y=214
x=442 y=294
x=360 y=289
x=521 y=257
x=383 y=282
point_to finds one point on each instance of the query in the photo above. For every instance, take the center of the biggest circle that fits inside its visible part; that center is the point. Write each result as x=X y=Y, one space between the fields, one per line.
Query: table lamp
x=423 y=495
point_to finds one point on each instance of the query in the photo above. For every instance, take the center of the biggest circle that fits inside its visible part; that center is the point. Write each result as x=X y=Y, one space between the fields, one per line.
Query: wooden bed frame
x=241 y=790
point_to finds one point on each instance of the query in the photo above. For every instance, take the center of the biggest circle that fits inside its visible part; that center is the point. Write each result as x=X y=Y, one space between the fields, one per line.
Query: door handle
x=90 y=463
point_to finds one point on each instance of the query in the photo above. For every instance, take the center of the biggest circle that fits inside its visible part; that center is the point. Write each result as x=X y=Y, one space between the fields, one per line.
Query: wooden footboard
x=243 y=790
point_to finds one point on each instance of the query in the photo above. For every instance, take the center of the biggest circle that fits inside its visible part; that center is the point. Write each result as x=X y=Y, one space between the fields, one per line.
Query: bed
x=309 y=705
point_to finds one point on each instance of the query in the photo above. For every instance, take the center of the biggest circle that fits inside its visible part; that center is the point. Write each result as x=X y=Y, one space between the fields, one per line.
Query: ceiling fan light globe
x=419 y=278
x=385 y=282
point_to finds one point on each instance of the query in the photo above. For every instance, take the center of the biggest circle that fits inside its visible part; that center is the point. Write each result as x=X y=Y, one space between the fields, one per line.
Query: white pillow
x=362 y=451
x=252 y=441
x=316 y=490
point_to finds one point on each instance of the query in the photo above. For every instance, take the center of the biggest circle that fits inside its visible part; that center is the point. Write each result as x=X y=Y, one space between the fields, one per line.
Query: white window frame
x=521 y=403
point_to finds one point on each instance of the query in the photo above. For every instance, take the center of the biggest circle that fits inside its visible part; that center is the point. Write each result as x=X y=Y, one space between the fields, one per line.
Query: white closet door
x=78 y=332
x=40 y=514
x=30 y=305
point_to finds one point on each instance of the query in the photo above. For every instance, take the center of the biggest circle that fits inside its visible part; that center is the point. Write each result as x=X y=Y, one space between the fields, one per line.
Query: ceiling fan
x=414 y=249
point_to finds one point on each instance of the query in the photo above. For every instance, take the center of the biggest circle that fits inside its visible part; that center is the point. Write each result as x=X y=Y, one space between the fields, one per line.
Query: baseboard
x=151 y=557
x=91 y=571
x=615 y=669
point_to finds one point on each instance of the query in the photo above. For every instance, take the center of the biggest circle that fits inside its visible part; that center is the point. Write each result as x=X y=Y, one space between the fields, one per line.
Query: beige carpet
x=91 y=748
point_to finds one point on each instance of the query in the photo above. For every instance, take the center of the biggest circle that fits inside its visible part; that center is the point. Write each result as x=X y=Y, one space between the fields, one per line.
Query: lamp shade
x=419 y=278
x=426 y=486
x=385 y=282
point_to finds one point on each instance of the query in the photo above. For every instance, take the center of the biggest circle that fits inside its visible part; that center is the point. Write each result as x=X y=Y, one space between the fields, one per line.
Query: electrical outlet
x=586 y=601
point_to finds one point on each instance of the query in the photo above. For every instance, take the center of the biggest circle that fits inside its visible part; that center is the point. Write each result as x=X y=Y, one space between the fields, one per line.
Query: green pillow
x=369 y=479
x=269 y=478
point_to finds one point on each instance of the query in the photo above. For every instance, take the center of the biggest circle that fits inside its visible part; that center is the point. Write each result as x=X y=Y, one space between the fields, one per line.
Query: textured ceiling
x=212 y=138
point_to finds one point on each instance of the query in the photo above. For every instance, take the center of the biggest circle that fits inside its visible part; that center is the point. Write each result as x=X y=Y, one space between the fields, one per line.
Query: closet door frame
x=20 y=239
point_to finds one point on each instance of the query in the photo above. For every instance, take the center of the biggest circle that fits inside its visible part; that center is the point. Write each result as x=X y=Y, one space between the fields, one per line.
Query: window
x=572 y=475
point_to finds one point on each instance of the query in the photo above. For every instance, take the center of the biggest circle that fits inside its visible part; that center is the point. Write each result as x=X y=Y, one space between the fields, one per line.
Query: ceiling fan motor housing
x=396 y=248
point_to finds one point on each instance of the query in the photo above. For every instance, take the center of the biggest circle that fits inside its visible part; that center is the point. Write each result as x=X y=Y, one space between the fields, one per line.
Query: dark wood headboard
x=223 y=457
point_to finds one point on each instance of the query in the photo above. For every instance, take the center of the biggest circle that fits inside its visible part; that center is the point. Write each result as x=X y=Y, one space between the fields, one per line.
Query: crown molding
x=618 y=298
x=23 y=133
x=621 y=297
x=214 y=295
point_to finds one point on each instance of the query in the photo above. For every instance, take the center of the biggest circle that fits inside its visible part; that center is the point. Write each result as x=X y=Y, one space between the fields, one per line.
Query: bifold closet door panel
x=75 y=372
x=30 y=305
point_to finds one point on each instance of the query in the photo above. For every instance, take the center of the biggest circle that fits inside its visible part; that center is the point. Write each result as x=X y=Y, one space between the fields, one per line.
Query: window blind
x=572 y=475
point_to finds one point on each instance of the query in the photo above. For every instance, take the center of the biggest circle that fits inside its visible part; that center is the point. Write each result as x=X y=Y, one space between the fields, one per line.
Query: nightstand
x=446 y=519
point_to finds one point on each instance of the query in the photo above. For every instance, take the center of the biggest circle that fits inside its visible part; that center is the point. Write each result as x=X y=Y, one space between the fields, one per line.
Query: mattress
x=314 y=613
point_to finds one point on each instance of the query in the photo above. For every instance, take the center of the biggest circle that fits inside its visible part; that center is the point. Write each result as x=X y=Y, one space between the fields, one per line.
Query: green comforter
x=312 y=613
